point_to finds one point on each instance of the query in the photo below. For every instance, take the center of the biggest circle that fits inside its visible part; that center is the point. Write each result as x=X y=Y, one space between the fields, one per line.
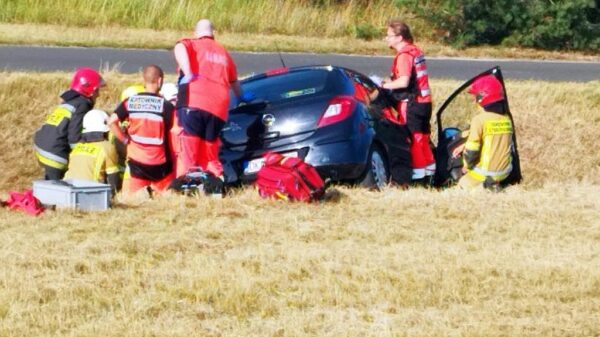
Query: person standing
x=149 y=117
x=409 y=83
x=207 y=73
x=62 y=128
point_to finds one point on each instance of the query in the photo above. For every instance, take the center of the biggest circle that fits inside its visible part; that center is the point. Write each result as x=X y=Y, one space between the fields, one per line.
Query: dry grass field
x=525 y=262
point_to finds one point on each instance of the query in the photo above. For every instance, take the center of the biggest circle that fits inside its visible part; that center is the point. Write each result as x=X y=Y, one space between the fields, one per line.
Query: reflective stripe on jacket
x=419 y=79
x=50 y=159
x=61 y=129
x=490 y=145
x=149 y=116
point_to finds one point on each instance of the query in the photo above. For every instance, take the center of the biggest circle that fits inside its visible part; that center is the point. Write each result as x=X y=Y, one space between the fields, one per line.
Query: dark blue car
x=339 y=121
x=329 y=116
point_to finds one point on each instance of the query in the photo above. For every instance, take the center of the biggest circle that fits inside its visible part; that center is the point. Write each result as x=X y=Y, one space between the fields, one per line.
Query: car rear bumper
x=340 y=161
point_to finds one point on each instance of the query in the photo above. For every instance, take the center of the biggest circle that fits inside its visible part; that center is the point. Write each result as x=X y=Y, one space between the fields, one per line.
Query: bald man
x=207 y=73
x=149 y=117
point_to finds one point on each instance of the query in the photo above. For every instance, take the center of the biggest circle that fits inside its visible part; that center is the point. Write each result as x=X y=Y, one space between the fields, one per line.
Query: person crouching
x=94 y=158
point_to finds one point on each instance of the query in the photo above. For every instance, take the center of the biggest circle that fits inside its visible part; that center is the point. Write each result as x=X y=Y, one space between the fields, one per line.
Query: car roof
x=287 y=70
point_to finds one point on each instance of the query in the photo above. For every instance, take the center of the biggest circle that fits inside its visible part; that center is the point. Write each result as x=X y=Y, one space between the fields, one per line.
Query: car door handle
x=270 y=135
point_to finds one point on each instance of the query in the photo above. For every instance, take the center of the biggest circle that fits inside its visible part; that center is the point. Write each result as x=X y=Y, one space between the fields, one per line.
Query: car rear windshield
x=289 y=86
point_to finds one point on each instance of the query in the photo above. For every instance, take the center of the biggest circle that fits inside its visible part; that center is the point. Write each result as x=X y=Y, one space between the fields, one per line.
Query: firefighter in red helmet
x=62 y=128
x=409 y=83
x=487 y=153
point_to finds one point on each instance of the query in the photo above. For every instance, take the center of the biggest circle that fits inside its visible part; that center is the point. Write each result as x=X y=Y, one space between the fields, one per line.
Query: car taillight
x=340 y=108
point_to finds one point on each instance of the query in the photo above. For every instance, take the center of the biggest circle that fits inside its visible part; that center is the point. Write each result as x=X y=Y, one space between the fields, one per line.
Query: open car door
x=449 y=134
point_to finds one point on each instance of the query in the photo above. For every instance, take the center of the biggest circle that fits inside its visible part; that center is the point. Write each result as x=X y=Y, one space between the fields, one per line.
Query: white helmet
x=169 y=91
x=95 y=121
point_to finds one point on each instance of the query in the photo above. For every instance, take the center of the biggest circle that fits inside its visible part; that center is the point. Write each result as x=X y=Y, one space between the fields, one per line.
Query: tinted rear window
x=289 y=86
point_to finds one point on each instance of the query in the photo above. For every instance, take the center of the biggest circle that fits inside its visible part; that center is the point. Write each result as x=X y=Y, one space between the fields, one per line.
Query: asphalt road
x=131 y=60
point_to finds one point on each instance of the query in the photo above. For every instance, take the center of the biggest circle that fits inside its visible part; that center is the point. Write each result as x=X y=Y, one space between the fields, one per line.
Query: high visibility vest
x=212 y=70
x=419 y=79
x=147 y=129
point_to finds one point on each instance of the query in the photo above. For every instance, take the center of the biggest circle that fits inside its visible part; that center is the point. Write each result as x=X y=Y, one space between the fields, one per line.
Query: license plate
x=254 y=165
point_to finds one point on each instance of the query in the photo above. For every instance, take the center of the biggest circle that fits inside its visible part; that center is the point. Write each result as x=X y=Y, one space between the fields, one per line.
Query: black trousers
x=51 y=173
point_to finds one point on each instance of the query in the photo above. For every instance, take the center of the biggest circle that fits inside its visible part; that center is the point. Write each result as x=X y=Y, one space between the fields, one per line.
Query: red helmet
x=487 y=90
x=86 y=81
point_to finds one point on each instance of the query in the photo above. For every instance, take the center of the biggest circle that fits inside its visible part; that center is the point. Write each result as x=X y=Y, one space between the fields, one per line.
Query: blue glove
x=247 y=97
x=185 y=79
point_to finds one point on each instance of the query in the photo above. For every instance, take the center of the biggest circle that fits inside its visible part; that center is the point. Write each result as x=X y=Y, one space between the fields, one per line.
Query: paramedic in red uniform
x=207 y=72
x=409 y=83
x=150 y=118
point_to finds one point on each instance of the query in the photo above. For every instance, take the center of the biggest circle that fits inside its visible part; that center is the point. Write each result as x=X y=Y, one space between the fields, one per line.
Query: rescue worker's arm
x=473 y=145
x=182 y=58
x=76 y=124
x=404 y=70
x=118 y=116
x=232 y=77
x=400 y=83
x=237 y=89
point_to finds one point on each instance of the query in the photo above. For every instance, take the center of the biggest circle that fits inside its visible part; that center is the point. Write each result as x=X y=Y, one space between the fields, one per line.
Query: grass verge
x=122 y=37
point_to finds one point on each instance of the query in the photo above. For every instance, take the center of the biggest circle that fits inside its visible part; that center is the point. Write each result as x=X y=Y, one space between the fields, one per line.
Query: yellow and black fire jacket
x=61 y=130
x=95 y=159
x=489 y=146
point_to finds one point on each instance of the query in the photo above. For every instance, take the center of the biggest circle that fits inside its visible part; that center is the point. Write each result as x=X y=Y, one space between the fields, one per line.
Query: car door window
x=367 y=93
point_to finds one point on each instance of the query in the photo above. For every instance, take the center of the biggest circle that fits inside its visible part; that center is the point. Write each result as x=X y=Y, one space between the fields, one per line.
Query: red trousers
x=195 y=152
x=198 y=141
x=422 y=159
x=132 y=184
x=417 y=116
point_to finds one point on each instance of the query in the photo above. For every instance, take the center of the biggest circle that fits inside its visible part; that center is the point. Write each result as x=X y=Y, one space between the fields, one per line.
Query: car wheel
x=376 y=174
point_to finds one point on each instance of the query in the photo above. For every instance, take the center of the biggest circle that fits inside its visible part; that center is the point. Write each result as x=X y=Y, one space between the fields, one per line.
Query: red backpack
x=289 y=178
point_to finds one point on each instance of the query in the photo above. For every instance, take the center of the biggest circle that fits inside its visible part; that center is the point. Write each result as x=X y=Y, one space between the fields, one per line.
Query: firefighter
x=487 y=153
x=409 y=83
x=95 y=158
x=149 y=118
x=62 y=128
x=207 y=72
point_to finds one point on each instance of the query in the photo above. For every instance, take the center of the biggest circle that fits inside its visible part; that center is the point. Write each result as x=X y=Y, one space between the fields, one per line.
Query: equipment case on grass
x=73 y=193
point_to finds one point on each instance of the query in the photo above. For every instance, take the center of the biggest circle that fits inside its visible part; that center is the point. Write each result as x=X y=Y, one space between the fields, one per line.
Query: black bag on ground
x=198 y=180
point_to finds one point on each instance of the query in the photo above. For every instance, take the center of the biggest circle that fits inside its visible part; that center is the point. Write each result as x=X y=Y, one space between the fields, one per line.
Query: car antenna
x=280 y=57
